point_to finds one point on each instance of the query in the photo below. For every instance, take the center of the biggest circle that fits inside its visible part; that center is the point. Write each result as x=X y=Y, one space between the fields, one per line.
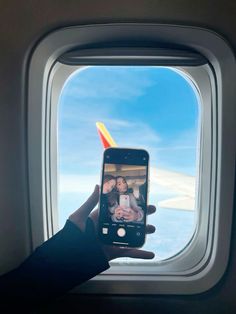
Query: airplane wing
x=178 y=183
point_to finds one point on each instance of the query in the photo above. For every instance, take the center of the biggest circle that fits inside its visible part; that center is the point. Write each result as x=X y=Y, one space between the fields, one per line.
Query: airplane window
x=155 y=108
x=166 y=88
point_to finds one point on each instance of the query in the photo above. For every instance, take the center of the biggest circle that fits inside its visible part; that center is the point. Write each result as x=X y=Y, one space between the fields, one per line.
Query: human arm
x=70 y=257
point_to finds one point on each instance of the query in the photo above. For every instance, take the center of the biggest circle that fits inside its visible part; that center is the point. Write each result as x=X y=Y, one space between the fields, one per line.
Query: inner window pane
x=150 y=107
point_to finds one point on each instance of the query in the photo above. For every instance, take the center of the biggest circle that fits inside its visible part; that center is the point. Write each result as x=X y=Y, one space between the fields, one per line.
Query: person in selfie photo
x=109 y=196
x=109 y=183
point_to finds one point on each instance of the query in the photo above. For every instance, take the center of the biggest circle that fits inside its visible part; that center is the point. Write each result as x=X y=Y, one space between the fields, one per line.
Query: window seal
x=132 y=56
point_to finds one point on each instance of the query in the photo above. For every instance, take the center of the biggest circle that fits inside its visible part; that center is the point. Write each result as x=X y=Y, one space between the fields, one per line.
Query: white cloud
x=77 y=183
x=110 y=84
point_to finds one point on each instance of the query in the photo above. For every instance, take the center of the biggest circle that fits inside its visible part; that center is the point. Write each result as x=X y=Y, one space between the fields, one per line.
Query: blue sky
x=149 y=107
x=153 y=108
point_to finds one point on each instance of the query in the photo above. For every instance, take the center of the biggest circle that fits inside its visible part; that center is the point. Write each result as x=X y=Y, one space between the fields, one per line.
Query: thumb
x=80 y=216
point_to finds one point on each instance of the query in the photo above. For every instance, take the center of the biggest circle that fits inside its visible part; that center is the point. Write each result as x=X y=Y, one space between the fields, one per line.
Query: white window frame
x=203 y=263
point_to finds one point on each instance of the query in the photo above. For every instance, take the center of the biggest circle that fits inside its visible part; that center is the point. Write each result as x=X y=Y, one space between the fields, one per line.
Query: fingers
x=150 y=229
x=135 y=253
x=94 y=216
x=89 y=205
x=151 y=209
x=80 y=215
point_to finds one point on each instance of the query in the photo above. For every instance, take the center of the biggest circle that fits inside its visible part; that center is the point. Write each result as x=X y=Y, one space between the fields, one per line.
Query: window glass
x=155 y=108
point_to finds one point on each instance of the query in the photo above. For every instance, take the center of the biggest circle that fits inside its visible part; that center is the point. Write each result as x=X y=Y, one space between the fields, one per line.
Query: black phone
x=123 y=197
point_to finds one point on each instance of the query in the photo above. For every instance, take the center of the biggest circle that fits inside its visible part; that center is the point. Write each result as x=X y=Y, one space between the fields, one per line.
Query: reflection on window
x=155 y=108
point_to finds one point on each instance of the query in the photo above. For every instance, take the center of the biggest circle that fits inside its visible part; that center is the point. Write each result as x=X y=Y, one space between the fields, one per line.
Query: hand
x=79 y=218
x=130 y=215
x=118 y=213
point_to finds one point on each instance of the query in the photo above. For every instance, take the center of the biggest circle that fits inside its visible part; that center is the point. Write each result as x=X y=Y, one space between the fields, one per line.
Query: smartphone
x=124 y=201
x=123 y=197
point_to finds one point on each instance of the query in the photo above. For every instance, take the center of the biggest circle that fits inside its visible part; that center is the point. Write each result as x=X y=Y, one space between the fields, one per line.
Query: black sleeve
x=66 y=260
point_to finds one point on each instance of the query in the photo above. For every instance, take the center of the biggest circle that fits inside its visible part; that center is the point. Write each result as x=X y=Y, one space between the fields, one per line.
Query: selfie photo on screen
x=124 y=192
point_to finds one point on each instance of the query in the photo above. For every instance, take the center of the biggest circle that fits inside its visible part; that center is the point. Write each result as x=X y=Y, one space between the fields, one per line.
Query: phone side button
x=121 y=232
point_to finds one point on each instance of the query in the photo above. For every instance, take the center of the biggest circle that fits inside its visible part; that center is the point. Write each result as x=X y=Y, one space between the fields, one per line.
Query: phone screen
x=123 y=199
